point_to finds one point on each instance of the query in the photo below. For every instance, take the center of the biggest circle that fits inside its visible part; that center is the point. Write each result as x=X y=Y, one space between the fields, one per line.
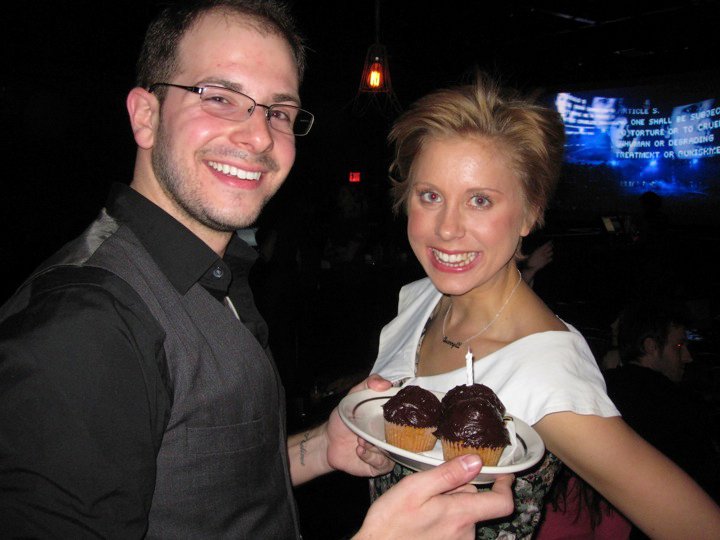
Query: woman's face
x=466 y=212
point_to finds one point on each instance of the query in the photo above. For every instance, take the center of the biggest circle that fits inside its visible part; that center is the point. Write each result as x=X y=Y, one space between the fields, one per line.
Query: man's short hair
x=158 y=60
x=643 y=320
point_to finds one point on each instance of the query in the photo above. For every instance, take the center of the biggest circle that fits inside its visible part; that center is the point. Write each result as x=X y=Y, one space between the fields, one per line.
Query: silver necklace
x=458 y=344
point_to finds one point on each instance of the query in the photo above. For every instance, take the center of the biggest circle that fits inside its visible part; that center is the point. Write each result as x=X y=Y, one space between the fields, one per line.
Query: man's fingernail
x=471 y=462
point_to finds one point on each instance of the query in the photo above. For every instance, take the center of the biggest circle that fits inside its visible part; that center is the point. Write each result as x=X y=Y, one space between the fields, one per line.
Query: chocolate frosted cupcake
x=474 y=391
x=411 y=417
x=473 y=426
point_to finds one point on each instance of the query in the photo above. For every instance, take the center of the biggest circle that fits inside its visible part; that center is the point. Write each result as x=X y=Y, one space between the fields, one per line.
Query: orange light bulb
x=375 y=77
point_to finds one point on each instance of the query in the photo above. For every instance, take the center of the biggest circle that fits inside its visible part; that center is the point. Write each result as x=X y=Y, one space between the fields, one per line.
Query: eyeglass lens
x=225 y=103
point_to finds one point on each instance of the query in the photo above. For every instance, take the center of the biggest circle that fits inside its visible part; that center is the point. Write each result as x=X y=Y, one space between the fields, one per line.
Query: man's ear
x=144 y=110
x=650 y=346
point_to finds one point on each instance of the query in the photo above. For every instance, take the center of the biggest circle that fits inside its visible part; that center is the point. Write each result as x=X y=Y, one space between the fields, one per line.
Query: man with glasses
x=137 y=394
x=648 y=390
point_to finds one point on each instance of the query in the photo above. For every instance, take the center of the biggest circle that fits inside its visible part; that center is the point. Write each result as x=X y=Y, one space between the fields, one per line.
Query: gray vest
x=222 y=469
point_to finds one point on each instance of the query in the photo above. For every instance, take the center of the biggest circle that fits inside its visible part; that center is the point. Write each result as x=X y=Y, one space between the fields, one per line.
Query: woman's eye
x=480 y=201
x=429 y=196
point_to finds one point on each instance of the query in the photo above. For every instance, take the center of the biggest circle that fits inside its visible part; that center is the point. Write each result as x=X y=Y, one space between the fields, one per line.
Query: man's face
x=671 y=359
x=217 y=174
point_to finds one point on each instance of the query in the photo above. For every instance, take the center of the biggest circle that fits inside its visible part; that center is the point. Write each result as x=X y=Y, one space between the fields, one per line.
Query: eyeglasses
x=233 y=105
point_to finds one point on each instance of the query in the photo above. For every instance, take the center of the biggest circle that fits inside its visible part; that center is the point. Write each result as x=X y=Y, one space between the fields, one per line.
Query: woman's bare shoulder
x=535 y=317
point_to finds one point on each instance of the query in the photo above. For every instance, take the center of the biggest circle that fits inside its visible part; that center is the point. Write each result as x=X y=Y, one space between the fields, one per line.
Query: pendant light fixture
x=376 y=72
x=375 y=82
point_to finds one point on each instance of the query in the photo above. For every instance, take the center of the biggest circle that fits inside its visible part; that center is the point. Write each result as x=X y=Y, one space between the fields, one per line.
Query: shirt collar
x=180 y=255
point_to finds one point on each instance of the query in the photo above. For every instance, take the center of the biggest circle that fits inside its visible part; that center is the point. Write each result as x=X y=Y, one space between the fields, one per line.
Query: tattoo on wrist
x=303 y=450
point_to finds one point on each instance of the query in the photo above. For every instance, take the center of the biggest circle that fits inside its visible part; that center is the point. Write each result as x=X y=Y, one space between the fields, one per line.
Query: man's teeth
x=234 y=171
x=455 y=259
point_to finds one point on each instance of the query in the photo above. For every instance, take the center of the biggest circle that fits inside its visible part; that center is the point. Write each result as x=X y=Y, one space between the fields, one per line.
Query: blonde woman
x=474 y=167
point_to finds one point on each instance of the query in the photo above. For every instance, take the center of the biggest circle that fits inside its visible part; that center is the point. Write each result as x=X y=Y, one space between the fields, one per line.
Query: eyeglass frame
x=199 y=90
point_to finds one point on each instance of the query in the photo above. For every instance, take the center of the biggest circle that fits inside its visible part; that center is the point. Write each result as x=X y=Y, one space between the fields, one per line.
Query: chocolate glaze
x=475 y=422
x=413 y=406
x=474 y=391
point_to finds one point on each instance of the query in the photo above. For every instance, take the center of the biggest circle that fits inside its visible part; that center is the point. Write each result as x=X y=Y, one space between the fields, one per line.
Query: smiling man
x=211 y=154
x=138 y=397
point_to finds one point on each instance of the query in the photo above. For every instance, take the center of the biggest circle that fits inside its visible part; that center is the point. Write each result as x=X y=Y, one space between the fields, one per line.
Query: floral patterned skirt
x=529 y=492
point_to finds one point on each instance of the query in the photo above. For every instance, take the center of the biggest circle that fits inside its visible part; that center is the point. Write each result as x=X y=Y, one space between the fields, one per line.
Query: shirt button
x=218 y=272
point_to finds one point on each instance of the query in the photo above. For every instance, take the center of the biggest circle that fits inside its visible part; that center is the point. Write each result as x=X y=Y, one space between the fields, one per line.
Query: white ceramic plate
x=362 y=412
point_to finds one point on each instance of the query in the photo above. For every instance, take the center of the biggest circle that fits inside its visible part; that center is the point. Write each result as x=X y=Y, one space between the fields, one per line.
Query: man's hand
x=332 y=446
x=348 y=452
x=437 y=504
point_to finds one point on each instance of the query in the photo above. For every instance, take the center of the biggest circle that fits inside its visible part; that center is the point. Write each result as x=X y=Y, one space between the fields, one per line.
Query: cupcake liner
x=490 y=455
x=410 y=438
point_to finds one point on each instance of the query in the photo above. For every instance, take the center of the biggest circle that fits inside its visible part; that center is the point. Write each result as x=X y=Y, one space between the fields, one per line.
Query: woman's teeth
x=455 y=259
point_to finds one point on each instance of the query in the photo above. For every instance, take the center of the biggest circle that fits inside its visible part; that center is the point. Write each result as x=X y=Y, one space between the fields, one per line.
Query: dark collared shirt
x=186 y=260
x=84 y=397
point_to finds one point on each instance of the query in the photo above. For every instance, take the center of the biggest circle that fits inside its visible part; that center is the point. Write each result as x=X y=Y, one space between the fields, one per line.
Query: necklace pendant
x=456 y=344
x=453 y=344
